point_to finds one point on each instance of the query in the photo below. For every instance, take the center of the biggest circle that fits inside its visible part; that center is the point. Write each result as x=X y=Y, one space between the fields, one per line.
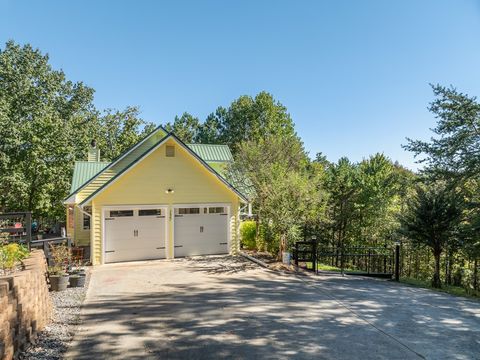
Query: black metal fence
x=305 y=252
x=356 y=260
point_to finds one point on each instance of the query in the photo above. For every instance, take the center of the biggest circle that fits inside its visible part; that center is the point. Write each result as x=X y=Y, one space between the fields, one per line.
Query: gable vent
x=170 y=151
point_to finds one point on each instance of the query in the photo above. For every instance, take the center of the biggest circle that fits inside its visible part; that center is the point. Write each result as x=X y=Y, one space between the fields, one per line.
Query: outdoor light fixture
x=169 y=191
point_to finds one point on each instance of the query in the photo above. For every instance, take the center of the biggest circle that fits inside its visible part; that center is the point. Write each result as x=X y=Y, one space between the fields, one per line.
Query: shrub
x=11 y=255
x=248 y=231
x=61 y=259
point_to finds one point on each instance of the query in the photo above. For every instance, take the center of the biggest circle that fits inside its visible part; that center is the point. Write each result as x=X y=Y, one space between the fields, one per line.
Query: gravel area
x=52 y=343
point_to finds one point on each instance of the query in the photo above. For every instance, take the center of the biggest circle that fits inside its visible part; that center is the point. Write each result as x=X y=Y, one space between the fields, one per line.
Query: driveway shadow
x=255 y=314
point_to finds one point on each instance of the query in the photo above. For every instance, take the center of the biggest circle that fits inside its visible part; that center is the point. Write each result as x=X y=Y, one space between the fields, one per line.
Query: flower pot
x=77 y=280
x=58 y=282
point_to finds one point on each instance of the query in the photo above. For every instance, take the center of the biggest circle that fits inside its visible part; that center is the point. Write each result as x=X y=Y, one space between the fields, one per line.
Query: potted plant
x=57 y=273
x=77 y=275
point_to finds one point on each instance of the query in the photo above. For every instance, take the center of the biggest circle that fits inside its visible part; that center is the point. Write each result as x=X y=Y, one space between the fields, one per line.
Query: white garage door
x=201 y=230
x=134 y=234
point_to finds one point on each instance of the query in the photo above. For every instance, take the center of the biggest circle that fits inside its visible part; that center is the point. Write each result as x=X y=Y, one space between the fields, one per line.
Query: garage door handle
x=161 y=248
x=178 y=215
x=109 y=218
x=223 y=214
x=222 y=243
x=109 y=251
x=178 y=246
x=162 y=216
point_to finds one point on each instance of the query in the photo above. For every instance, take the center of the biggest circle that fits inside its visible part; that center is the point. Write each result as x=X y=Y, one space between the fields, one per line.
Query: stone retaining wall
x=25 y=305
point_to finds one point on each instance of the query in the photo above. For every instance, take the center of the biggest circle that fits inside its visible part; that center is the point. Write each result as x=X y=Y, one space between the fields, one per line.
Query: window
x=186 y=211
x=86 y=222
x=150 y=212
x=121 y=213
x=170 y=151
x=216 y=210
x=86 y=218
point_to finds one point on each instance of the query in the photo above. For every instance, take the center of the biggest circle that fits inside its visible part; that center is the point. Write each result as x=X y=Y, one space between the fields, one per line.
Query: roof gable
x=109 y=181
x=118 y=164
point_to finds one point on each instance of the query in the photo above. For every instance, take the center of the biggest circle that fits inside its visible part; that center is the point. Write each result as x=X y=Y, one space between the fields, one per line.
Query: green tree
x=273 y=171
x=186 y=127
x=432 y=220
x=45 y=122
x=342 y=184
x=117 y=131
x=253 y=119
x=455 y=151
x=210 y=132
x=377 y=183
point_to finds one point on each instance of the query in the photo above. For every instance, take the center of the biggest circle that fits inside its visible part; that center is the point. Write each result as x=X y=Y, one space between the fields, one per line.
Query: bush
x=11 y=255
x=61 y=259
x=248 y=232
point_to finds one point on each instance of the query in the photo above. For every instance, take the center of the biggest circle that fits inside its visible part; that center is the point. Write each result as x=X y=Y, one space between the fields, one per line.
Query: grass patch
x=449 y=289
x=326 y=267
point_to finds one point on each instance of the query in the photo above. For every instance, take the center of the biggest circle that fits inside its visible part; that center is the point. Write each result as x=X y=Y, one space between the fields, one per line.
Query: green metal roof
x=212 y=152
x=84 y=171
x=215 y=156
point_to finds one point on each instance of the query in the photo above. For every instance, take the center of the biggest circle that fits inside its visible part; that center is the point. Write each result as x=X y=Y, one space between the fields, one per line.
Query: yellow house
x=160 y=199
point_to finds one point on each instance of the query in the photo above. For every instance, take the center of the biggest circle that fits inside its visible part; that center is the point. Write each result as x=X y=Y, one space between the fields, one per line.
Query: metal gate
x=372 y=261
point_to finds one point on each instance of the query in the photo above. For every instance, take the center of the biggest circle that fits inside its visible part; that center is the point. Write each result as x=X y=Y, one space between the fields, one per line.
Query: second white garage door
x=201 y=230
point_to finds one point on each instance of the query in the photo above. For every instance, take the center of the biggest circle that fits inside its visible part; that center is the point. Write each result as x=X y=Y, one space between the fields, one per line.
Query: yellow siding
x=96 y=233
x=81 y=237
x=146 y=182
x=119 y=166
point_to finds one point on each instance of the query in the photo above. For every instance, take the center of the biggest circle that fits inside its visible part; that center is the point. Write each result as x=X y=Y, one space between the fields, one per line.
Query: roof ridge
x=207 y=144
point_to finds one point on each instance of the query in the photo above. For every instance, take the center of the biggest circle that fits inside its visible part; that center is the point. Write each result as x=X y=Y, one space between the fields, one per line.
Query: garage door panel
x=202 y=233
x=135 y=235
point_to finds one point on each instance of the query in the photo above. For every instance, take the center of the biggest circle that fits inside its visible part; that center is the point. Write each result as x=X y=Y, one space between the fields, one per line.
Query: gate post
x=28 y=226
x=314 y=254
x=397 y=262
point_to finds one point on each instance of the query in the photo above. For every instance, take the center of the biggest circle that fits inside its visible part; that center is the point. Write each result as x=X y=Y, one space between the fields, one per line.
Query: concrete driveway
x=223 y=307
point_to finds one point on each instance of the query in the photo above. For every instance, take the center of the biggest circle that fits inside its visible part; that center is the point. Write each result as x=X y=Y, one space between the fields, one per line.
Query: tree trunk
x=436 y=283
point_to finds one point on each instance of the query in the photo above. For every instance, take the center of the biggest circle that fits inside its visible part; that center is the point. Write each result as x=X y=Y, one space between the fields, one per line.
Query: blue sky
x=353 y=74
